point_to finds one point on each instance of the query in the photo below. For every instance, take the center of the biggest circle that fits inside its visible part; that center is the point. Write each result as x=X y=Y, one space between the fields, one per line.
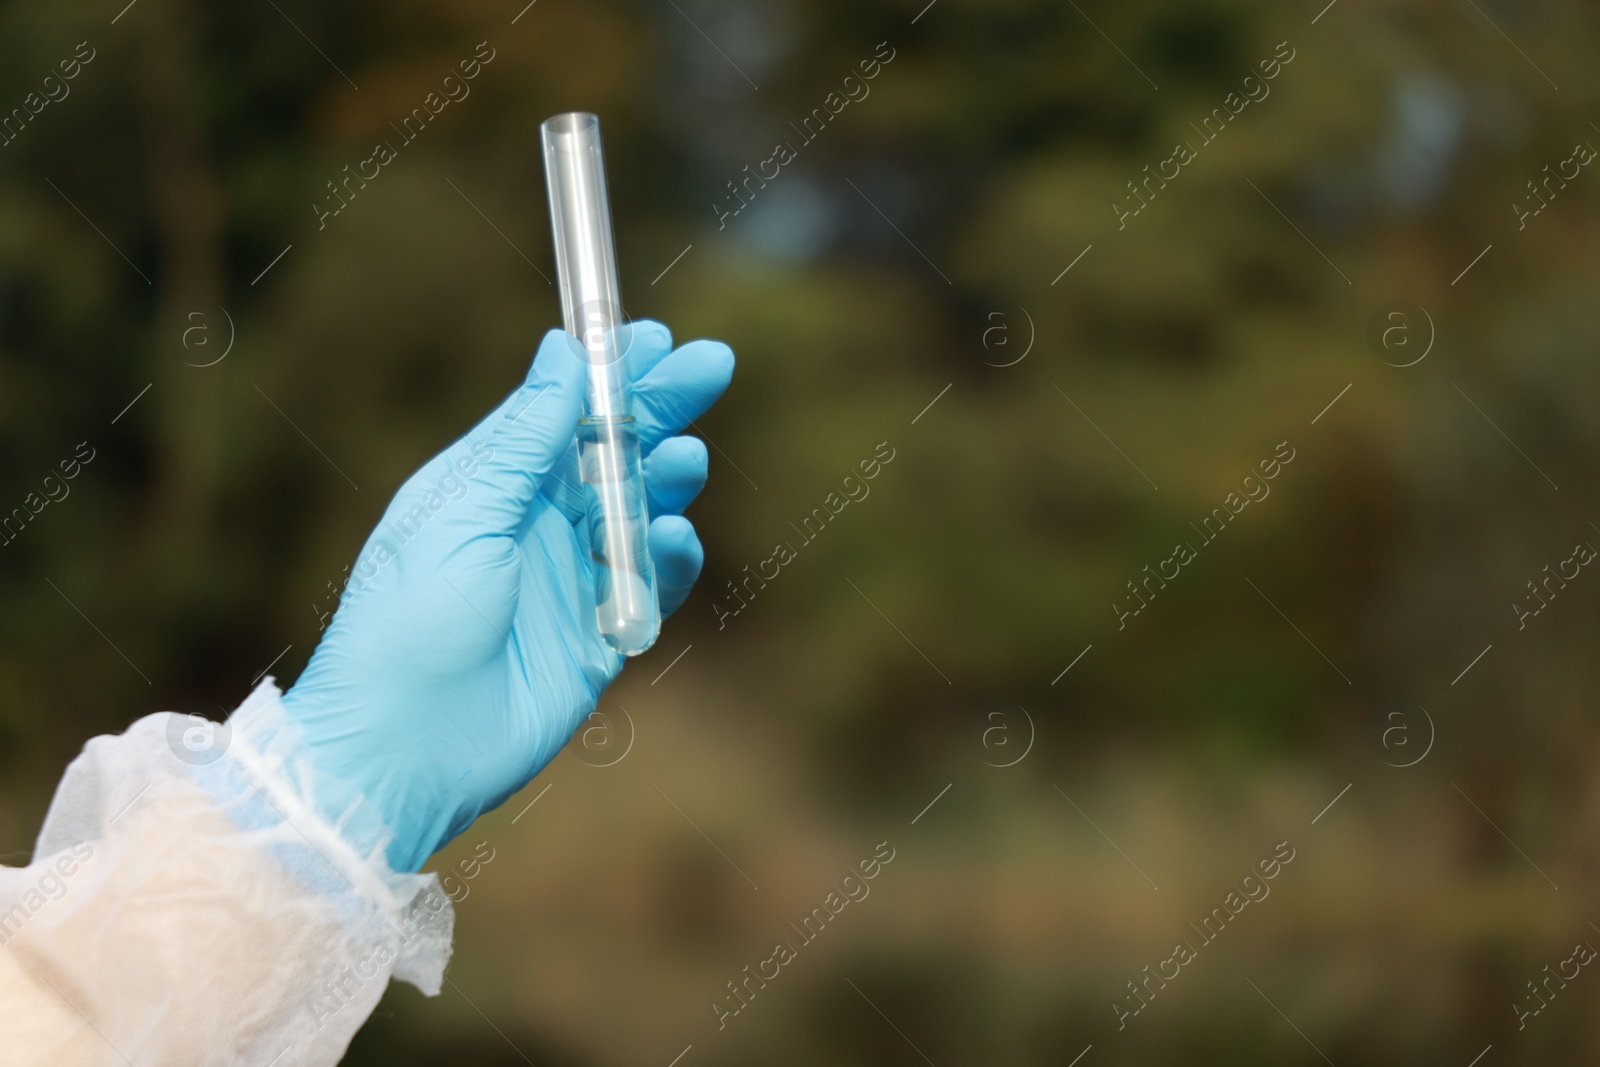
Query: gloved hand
x=465 y=653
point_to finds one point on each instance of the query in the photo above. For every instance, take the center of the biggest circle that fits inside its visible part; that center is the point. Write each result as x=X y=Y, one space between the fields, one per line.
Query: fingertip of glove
x=679 y=457
x=715 y=360
x=709 y=363
x=676 y=549
x=650 y=332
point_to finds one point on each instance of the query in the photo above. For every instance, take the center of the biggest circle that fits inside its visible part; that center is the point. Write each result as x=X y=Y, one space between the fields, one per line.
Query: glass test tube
x=617 y=520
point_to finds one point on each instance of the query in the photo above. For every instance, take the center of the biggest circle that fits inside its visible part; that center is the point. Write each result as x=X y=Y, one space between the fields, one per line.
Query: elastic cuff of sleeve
x=213 y=916
x=267 y=784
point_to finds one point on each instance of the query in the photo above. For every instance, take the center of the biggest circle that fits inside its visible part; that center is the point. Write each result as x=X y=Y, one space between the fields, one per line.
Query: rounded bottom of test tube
x=629 y=632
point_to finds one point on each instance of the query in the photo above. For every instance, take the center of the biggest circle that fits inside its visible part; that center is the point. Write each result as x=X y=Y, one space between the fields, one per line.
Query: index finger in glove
x=672 y=389
x=680 y=388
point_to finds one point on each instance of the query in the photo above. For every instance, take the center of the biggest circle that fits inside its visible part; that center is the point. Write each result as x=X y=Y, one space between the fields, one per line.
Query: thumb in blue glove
x=465 y=651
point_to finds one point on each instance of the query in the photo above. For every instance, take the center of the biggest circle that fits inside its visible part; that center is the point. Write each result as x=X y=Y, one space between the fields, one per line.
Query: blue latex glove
x=464 y=652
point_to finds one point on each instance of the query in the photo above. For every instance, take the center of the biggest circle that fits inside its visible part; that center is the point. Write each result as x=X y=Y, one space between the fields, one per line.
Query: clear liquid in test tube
x=616 y=525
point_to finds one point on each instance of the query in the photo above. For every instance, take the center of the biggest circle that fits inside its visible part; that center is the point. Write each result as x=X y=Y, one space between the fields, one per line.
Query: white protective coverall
x=184 y=913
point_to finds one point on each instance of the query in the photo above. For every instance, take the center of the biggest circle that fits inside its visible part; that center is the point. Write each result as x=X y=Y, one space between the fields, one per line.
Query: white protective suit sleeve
x=187 y=906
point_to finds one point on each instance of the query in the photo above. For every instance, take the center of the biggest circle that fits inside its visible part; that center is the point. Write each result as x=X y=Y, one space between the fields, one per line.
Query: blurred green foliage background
x=918 y=243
